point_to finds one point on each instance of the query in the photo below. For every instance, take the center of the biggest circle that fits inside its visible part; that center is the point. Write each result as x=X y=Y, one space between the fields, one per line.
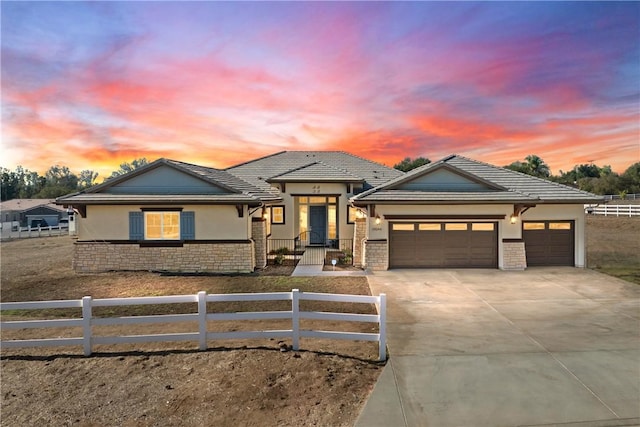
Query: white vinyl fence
x=202 y=335
x=614 y=210
x=28 y=232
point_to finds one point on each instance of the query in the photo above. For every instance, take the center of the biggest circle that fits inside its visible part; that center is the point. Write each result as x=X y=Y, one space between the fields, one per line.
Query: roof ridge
x=294 y=169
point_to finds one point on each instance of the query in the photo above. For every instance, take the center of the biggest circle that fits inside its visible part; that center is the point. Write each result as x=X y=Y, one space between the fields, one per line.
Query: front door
x=318 y=224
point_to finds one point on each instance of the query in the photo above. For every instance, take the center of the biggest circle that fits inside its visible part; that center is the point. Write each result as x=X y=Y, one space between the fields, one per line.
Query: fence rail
x=619 y=197
x=202 y=336
x=29 y=232
x=614 y=210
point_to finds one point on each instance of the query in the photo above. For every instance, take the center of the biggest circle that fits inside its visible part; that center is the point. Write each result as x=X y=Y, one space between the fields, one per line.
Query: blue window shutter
x=136 y=226
x=187 y=225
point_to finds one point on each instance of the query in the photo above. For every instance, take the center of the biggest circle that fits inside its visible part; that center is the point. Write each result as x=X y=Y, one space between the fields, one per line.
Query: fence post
x=86 y=325
x=295 y=319
x=202 y=319
x=382 y=328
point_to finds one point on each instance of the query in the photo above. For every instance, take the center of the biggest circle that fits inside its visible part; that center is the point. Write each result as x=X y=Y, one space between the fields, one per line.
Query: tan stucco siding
x=105 y=223
x=217 y=222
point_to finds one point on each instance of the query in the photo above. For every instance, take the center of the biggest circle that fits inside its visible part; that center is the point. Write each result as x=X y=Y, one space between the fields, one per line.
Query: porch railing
x=285 y=251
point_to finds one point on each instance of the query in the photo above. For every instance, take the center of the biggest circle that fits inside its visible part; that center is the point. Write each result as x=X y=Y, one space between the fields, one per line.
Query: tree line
x=57 y=181
x=588 y=177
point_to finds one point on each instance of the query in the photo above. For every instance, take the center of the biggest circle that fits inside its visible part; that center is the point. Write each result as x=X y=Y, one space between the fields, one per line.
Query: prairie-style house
x=456 y=212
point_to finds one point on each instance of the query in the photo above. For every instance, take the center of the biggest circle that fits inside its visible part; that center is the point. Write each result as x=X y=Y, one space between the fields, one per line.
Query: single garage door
x=443 y=244
x=549 y=242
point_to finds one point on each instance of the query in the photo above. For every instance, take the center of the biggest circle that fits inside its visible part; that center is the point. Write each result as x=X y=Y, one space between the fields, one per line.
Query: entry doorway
x=318 y=224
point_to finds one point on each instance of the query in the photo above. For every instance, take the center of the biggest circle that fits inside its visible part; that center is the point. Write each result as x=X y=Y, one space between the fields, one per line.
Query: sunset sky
x=91 y=85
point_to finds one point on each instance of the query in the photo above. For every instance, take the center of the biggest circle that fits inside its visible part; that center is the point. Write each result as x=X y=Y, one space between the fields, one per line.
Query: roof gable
x=443 y=178
x=165 y=180
x=184 y=182
x=162 y=177
x=428 y=184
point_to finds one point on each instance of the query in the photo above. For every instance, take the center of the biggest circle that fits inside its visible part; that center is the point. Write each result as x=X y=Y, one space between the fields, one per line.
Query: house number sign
x=315 y=189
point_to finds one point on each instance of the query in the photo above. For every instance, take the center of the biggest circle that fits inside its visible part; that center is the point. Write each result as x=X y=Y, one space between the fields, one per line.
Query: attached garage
x=549 y=242
x=459 y=212
x=443 y=244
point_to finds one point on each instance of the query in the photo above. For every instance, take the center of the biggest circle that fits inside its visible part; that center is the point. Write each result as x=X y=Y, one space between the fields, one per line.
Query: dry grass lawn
x=234 y=383
x=613 y=246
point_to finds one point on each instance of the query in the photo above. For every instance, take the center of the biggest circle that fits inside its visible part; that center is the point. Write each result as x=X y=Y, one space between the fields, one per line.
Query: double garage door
x=475 y=244
x=443 y=244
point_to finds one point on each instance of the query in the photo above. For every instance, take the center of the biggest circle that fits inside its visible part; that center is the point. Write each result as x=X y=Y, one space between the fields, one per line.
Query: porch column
x=259 y=236
x=359 y=236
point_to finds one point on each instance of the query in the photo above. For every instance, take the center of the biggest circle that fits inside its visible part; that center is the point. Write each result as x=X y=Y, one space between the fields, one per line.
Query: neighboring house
x=31 y=213
x=456 y=212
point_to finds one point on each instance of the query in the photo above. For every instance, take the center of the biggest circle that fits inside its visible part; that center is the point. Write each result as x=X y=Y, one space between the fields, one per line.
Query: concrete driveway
x=544 y=346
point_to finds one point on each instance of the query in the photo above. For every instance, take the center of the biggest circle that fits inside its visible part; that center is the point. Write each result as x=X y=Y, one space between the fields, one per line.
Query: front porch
x=309 y=249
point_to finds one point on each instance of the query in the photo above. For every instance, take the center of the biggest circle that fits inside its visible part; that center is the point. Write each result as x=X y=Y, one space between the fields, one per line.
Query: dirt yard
x=250 y=383
x=613 y=246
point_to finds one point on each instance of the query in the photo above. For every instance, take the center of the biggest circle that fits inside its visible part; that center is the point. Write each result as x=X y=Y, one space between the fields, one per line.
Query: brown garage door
x=549 y=242
x=443 y=244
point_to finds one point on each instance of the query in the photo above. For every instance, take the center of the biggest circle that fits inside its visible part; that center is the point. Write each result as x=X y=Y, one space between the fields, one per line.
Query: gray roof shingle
x=518 y=187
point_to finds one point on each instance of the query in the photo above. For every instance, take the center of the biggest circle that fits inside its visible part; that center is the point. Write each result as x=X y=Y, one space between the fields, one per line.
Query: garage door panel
x=549 y=243
x=445 y=244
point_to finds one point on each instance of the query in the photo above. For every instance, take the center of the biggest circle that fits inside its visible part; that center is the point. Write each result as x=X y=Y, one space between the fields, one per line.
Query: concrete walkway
x=312 y=264
x=546 y=346
x=317 y=270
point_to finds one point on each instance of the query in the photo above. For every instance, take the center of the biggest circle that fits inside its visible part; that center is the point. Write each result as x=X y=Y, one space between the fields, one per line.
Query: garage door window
x=429 y=227
x=533 y=226
x=559 y=226
x=481 y=226
x=455 y=227
x=402 y=227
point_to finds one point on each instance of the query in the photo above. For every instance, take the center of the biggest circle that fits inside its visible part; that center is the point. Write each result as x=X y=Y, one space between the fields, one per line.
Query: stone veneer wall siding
x=259 y=236
x=376 y=255
x=514 y=255
x=359 y=236
x=215 y=257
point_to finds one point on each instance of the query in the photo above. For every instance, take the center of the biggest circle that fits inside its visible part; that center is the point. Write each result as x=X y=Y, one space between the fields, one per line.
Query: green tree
x=537 y=166
x=408 y=164
x=533 y=165
x=630 y=179
x=128 y=167
x=10 y=185
x=87 y=179
x=59 y=180
x=519 y=167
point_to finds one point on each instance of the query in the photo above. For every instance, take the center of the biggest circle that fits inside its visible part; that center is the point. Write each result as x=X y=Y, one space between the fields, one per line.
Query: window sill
x=161 y=243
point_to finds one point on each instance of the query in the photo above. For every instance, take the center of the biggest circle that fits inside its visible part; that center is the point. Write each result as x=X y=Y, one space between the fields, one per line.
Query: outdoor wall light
x=378 y=220
x=513 y=218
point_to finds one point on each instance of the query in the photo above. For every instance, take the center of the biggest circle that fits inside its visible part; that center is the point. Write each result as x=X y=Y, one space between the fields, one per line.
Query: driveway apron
x=544 y=346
